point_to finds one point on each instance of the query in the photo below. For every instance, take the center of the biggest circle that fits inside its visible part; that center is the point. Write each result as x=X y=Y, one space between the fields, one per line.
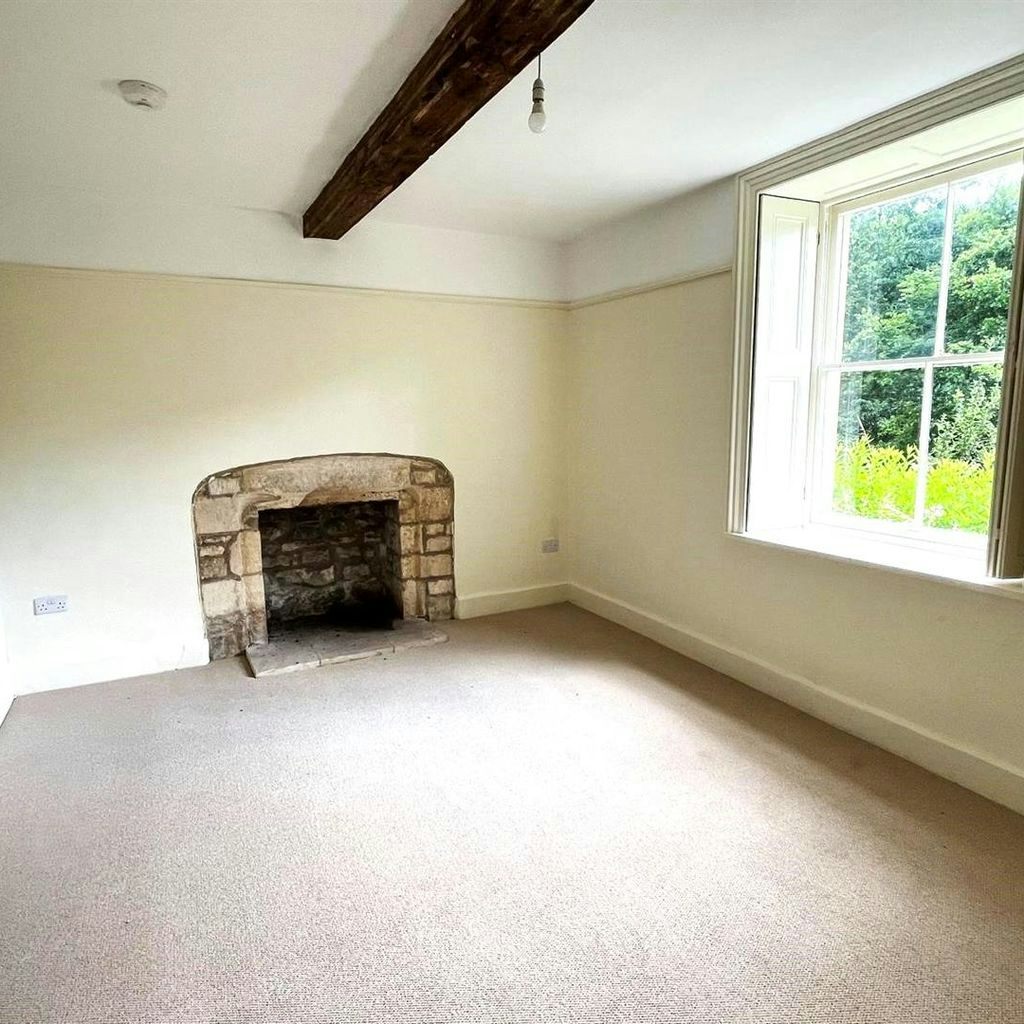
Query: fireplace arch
x=229 y=557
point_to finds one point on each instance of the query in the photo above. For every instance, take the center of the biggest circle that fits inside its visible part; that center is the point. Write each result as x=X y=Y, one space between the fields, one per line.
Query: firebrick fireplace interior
x=335 y=564
x=332 y=586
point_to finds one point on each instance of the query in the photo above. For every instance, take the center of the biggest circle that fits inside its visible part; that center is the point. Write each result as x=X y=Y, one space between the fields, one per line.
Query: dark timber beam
x=482 y=48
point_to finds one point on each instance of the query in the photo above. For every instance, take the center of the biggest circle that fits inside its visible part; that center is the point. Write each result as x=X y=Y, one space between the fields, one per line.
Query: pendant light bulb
x=538 y=120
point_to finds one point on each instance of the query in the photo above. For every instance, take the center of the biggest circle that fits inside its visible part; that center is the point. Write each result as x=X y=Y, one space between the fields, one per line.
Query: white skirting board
x=998 y=781
x=492 y=602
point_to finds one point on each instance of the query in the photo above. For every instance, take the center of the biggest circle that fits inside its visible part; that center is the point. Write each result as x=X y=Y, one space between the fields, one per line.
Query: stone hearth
x=226 y=511
x=299 y=647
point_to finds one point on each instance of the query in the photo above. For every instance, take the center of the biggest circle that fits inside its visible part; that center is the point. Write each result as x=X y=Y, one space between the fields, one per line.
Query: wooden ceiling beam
x=485 y=44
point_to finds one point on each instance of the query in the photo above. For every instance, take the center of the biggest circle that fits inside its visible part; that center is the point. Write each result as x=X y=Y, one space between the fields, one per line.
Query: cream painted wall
x=119 y=392
x=923 y=667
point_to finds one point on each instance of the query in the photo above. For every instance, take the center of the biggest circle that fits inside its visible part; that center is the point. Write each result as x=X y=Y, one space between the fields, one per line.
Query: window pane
x=894 y=264
x=962 y=447
x=876 y=444
x=984 y=233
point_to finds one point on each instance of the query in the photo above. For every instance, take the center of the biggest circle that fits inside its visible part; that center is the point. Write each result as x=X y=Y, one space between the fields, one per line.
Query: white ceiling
x=646 y=98
x=265 y=96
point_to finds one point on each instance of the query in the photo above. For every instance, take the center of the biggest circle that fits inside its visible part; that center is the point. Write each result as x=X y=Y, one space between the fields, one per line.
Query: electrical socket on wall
x=50 y=605
x=549 y=546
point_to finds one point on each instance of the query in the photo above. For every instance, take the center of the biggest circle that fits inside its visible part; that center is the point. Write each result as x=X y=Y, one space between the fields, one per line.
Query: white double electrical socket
x=50 y=605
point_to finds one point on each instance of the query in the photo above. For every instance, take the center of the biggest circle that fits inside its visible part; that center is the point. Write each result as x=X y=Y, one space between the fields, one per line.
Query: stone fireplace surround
x=225 y=511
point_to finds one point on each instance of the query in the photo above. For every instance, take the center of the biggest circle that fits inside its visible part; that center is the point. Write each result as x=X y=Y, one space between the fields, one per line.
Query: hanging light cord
x=537 y=119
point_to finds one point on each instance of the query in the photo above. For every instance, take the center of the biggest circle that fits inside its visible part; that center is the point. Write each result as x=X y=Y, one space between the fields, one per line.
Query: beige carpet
x=546 y=819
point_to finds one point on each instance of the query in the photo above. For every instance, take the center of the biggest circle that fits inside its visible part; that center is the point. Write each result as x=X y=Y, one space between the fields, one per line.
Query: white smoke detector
x=142 y=94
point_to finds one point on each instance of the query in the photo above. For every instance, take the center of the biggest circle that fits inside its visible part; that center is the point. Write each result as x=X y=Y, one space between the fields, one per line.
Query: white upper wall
x=688 y=235
x=259 y=245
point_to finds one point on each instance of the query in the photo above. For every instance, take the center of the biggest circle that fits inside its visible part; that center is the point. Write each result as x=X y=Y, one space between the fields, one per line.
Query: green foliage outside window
x=891 y=309
x=881 y=483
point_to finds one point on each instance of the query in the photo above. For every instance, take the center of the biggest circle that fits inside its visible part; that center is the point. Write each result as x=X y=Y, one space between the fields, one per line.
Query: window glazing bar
x=944 y=274
x=919 y=362
x=924 y=443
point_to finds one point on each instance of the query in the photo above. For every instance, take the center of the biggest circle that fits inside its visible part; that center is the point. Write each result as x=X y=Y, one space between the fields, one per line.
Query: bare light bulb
x=538 y=121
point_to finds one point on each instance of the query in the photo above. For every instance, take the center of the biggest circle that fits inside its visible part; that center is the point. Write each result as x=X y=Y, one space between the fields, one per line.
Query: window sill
x=957 y=567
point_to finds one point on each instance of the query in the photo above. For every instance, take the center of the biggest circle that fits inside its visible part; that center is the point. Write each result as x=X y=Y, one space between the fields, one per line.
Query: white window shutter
x=783 y=328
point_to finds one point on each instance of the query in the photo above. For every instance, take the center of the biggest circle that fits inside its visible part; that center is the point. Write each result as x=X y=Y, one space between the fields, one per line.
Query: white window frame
x=827 y=358
x=1002 y=82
